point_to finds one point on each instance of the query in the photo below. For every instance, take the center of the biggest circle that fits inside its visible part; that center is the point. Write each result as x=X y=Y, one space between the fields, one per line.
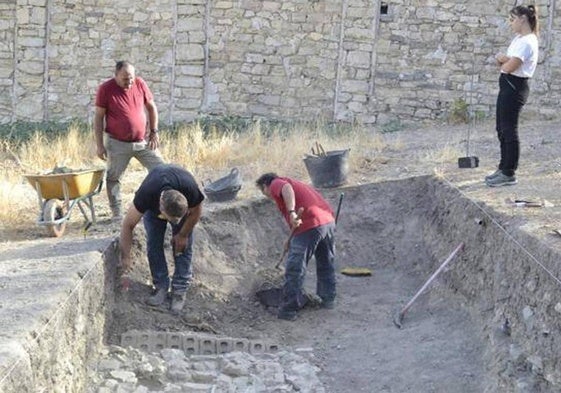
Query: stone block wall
x=345 y=60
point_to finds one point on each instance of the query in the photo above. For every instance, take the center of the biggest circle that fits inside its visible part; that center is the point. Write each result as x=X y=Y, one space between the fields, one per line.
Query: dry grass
x=208 y=156
x=446 y=153
x=74 y=150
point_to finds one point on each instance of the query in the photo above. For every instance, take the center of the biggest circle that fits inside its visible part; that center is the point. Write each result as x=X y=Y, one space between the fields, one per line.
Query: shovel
x=469 y=161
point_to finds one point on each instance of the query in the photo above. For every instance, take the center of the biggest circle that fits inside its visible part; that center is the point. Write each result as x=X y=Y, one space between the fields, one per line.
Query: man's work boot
x=158 y=297
x=287 y=315
x=328 y=304
x=177 y=302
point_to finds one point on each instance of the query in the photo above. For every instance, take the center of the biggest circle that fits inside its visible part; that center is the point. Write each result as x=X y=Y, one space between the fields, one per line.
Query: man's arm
x=153 y=119
x=289 y=199
x=132 y=218
x=98 y=123
x=193 y=216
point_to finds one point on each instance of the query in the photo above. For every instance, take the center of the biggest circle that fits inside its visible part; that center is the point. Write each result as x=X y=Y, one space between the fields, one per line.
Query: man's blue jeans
x=183 y=273
x=319 y=242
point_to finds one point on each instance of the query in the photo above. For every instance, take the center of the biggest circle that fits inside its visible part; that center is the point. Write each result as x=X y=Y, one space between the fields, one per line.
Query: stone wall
x=350 y=60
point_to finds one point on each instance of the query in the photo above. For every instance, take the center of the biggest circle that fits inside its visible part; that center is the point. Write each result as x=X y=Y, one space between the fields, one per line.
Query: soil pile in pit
x=356 y=345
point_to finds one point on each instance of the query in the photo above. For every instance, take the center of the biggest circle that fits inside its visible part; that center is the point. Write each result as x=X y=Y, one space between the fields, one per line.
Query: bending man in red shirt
x=119 y=111
x=313 y=234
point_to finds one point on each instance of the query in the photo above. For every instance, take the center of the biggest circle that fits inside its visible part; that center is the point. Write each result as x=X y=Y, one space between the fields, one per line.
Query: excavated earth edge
x=509 y=279
x=54 y=307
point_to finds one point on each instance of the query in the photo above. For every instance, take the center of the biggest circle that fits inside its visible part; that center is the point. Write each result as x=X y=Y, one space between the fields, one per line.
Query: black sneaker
x=177 y=302
x=158 y=297
x=501 y=180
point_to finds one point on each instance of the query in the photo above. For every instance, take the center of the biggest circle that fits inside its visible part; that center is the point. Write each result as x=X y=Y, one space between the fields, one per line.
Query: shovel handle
x=339 y=207
x=285 y=249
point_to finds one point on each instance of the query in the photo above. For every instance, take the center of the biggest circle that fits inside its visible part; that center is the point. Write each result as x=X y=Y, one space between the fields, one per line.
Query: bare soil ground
x=357 y=345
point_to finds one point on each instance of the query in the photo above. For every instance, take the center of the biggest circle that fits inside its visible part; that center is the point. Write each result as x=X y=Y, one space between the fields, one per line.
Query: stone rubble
x=130 y=370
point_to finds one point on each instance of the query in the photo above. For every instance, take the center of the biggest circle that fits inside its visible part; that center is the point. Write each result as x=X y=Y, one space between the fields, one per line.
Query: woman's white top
x=524 y=47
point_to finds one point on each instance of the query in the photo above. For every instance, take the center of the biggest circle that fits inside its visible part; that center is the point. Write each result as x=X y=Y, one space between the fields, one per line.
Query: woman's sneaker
x=492 y=175
x=501 y=180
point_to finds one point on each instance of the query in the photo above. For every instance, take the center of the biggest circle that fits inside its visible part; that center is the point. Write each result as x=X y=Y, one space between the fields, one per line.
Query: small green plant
x=392 y=126
x=480 y=115
x=459 y=112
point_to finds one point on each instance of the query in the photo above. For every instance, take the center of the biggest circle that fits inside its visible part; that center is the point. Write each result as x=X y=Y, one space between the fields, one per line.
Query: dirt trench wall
x=55 y=358
x=413 y=225
x=517 y=301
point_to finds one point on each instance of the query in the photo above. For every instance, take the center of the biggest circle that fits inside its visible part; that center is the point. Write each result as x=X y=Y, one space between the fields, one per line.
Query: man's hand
x=126 y=265
x=178 y=243
x=295 y=220
x=153 y=141
x=102 y=153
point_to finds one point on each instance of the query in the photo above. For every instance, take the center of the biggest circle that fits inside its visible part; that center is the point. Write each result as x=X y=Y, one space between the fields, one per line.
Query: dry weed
x=207 y=155
x=441 y=155
x=74 y=149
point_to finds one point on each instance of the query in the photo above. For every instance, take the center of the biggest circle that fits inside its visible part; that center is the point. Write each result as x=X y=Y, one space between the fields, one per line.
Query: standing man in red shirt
x=119 y=111
x=313 y=234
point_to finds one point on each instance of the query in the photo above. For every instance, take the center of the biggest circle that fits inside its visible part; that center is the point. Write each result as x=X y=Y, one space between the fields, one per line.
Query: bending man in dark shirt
x=168 y=194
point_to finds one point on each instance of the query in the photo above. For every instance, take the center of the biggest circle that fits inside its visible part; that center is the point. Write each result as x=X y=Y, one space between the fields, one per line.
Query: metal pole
x=399 y=317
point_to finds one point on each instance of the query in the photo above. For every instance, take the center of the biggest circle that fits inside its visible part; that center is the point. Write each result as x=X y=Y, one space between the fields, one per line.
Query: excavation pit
x=488 y=323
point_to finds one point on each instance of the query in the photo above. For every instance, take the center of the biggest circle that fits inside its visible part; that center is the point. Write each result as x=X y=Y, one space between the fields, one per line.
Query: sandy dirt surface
x=356 y=345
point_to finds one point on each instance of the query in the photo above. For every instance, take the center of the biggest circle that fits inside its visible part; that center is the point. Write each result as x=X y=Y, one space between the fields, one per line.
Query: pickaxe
x=398 y=317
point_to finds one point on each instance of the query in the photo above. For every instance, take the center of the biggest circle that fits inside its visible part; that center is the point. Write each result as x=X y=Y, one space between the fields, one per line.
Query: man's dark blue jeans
x=183 y=273
x=319 y=242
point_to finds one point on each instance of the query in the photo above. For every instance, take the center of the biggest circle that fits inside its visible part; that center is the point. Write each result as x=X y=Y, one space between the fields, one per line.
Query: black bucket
x=329 y=170
x=225 y=188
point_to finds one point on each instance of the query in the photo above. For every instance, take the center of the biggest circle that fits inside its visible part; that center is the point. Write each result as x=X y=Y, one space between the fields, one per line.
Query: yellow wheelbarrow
x=58 y=193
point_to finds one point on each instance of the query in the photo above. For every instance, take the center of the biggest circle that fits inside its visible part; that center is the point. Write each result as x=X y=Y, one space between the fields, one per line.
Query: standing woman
x=517 y=66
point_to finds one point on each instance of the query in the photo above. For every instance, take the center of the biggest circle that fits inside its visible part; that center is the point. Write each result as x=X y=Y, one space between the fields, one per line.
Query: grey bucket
x=224 y=189
x=329 y=170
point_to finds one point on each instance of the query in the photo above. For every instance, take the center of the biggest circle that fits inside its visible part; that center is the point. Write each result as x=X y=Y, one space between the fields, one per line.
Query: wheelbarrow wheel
x=53 y=210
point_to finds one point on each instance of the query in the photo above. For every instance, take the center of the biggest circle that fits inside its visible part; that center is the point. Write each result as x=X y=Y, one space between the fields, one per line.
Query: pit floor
x=356 y=345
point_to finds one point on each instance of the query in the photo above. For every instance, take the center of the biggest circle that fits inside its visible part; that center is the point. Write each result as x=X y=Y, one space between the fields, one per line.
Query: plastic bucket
x=225 y=188
x=330 y=170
